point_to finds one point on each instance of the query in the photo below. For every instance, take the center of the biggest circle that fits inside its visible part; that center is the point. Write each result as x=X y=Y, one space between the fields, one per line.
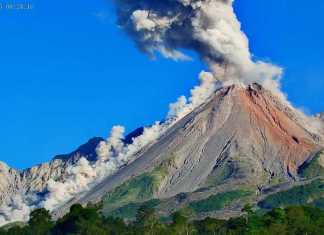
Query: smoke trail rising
x=209 y=27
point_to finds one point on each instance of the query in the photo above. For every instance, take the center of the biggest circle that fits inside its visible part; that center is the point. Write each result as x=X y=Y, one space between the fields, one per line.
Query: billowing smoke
x=14 y=209
x=113 y=145
x=209 y=27
x=112 y=154
x=199 y=95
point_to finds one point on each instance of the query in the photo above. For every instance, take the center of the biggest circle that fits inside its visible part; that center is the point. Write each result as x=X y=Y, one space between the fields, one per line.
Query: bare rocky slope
x=35 y=179
x=320 y=118
x=240 y=144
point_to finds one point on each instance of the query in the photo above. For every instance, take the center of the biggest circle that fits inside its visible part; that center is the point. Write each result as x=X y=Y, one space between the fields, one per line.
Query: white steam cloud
x=209 y=27
x=14 y=209
x=199 y=95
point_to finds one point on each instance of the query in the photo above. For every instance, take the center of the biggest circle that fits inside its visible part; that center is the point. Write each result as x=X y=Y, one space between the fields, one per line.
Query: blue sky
x=68 y=73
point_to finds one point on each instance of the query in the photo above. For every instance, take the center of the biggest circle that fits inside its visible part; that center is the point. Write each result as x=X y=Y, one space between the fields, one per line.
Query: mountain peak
x=244 y=136
x=86 y=150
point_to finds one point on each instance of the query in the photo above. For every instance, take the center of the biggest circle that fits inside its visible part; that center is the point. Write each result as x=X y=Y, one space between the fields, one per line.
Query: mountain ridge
x=35 y=178
x=244 y=138
x=189 y=170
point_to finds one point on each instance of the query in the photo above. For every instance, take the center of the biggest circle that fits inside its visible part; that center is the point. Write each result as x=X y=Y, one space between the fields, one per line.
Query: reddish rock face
x=272 y=120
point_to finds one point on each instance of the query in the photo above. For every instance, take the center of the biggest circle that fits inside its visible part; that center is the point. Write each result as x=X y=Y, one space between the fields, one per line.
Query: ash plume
x=209 y=27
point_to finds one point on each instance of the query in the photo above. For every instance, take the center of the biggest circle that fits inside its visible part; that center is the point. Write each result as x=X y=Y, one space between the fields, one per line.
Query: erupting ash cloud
x=209 y=27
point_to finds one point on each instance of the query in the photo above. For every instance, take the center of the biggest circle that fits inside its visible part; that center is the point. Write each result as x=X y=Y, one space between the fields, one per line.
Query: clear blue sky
x=68 y=73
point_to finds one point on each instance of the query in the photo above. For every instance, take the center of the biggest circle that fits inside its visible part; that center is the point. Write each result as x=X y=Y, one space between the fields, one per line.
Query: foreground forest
x=89 y=221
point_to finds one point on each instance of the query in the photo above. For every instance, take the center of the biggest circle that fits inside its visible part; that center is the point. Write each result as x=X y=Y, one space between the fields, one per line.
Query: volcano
x=245 y=143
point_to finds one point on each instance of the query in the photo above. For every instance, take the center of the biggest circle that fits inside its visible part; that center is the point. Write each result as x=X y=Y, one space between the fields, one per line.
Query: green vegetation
x=138 y=189
x=277 y=180
x=14 y=224
x=129 y=211
x=313 y=168
x=224 y=172
x=312 y=194
x=218 y=201
x=40 y=223
x=319 y=203
x=88 y=221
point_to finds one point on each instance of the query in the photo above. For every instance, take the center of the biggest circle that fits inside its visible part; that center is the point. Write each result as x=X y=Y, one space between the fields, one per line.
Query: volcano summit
x=244 y=143
x=244 y=139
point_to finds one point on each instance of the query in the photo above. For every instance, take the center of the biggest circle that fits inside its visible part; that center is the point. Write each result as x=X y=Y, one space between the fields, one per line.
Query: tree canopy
x=89 y=221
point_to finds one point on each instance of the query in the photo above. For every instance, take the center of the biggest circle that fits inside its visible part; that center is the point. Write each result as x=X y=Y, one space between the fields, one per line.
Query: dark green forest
x=89 y=221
